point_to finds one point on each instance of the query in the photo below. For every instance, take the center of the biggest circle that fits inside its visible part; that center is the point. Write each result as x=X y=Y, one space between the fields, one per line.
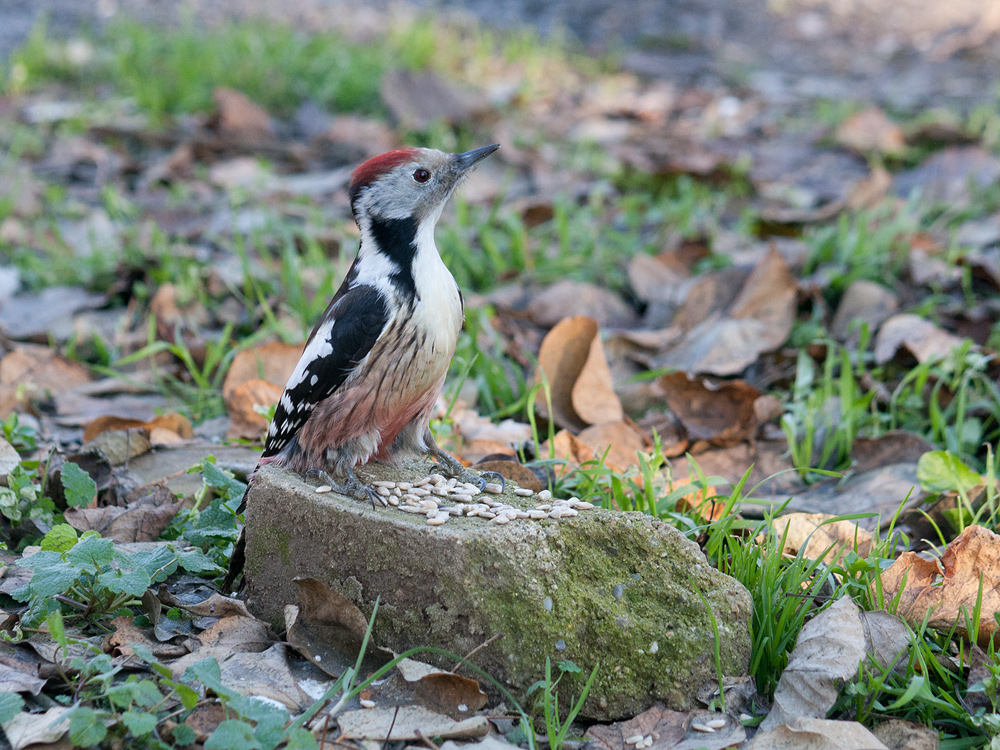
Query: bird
x=375 y=363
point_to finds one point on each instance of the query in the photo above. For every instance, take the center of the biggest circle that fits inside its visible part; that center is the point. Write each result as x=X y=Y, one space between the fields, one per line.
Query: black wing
x=343 y=337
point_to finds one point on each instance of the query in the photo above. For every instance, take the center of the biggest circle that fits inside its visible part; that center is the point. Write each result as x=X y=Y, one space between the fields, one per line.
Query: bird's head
x=410 y=182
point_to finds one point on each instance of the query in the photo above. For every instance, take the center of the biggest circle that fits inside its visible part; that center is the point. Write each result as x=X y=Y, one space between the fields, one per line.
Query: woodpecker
x=374 y=365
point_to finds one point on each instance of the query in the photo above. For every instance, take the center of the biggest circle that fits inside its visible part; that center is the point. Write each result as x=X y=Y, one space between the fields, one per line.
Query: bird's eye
x=421 y=175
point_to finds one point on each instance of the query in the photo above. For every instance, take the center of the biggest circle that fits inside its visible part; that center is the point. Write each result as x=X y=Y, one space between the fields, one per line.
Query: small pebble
x=404 y=486
x=654 y=647
x=716 y=723
x=366 y=703
x=487 y=514
x=462 y=497
x=420 y=492
x=537 y=514
x=493 y=488
x=523 y=492
x=544 y=496
x=655 y=735
x=635 y=738
x=703 y=728
x=584 y=506
x=383 y=491
x=409 y=497
x=501 y=519
x=397 y=492
x=413 y=509
x=393 y=500
x=436 y=478
x=428 y=505
x=383 y=483
x=421 y=482
x=547 y=603
x=453 y=482
x=471 y=489
x=323 y=488
x=437 y=520
x=440 y=491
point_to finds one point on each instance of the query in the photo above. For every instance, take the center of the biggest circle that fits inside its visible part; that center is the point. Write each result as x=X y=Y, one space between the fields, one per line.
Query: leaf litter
x=689 y=346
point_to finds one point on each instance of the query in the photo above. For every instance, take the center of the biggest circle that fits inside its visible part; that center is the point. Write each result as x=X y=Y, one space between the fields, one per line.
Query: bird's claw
x=495 y=477
x=353 y=487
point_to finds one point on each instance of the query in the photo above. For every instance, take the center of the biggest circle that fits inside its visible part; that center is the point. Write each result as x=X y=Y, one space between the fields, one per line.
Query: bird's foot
x=353 y=487
x=480 y=479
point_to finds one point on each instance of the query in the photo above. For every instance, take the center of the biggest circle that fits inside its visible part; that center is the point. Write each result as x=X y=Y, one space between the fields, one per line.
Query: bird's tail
x=239 y=557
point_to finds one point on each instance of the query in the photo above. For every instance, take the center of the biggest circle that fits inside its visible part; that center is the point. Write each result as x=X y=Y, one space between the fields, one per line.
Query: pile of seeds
x=439 y=499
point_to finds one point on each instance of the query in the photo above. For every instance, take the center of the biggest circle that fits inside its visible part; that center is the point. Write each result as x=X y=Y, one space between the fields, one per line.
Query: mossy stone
x=623 y=592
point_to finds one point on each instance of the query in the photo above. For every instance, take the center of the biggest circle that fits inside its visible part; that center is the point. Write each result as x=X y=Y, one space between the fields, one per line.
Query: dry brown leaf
x=566 y=299
x=36 y=730
x=23 y=680
x=40 y=370
x=127 y=635
x=139 y=522
x=716 y=415
x=700 y=499
x=273 y=362
x=673 y=729
x=566 y=446
x=950 y=175
x=405 y=723
x=247 y=422
x=921 y=338
x=475 y=451
x=871 y=191
x=449 y=693
x=863 y=302
x=816 y=734
x=945 y=591
x=572 y=362
x=173 y=422
x=216 y=605
x=816 y=536
x=327 y=628
x=870 y=130
x=759 y=320
x=897 y=734
x=237 y=115
x=829 y=649
x=620 y=440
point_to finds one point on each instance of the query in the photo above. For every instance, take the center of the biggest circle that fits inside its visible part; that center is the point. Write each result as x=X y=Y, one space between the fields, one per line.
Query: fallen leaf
x=174 y=422
x=817 y=537
x=572 y=362
x=216 y=605
x=566 y=446
x=673 y=729
x=237 y=633
x=36 y=729
x=897 y=734
x=566 y=299
x=38 y=372
x=237 y=115
x=418 y=100
x=805 y=733
x=273 y=362
x=715 y=415
x=870 y=130
x=829 y=649
x=449 y=693
x=141 y=521
x=327 y=628
x=405 y=723
x=127 y=635
x=47 y=315
x=14 y=680
x=759 y=320
x=918 y=336
x=618 y=441
x=864 y=302
x=949 y=175
x=265 y=674
x=242 y=406
x=945 y=591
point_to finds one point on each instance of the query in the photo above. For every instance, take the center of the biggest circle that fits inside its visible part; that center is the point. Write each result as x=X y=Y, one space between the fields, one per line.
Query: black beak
x=465 y=162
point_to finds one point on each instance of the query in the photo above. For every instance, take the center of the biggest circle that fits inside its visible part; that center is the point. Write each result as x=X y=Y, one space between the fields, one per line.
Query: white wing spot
x=314 y=379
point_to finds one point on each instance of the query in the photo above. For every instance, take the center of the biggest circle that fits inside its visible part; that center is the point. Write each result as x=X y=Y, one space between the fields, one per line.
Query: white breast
x=439 y=306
